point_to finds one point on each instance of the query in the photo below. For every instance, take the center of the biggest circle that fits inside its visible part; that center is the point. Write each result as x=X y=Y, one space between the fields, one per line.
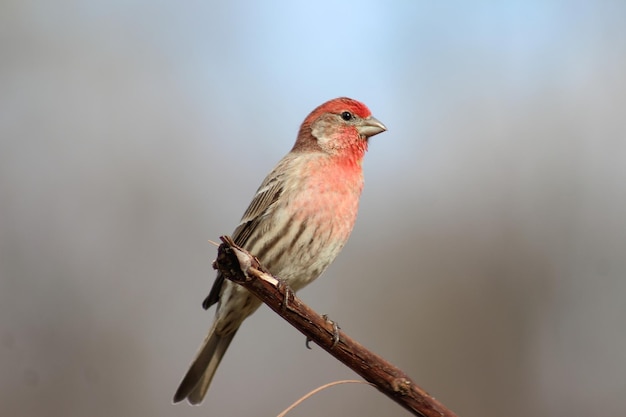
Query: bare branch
x=241 y=267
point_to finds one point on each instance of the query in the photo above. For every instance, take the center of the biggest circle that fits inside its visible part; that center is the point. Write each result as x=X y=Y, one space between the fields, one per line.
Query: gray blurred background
x=489 y=256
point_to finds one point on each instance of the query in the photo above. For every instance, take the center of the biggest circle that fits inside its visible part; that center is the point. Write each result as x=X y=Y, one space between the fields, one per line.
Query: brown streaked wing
x=261 y=206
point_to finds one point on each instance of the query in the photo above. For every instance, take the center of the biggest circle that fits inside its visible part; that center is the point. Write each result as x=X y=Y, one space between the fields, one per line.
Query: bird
x=297 y=223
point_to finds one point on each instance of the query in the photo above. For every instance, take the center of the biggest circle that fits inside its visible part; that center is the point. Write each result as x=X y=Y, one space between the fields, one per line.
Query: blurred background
x=488 y=260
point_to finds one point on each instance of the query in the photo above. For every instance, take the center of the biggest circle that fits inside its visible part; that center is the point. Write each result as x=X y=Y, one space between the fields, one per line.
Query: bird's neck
x=350 y=155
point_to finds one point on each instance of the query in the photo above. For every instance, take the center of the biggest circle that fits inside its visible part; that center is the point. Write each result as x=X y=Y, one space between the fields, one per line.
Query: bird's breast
x=331 y=197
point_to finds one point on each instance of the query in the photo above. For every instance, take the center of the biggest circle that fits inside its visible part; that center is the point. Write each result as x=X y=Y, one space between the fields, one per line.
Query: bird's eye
x=346 y=115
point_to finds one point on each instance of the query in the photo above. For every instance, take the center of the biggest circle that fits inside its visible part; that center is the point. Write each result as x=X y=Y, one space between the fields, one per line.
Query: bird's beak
x=370 y=127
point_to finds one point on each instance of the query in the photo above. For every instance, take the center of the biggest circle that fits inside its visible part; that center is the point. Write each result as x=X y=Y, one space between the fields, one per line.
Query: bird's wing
x=261 y=206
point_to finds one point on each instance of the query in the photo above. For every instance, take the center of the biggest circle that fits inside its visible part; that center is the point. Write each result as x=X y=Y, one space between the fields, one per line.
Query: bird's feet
x=282 y=285
x=335 y=331
x=336 y=337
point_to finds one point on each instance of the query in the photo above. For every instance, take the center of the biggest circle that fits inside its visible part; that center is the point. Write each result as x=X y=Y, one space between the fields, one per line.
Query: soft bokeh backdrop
x=489 y=258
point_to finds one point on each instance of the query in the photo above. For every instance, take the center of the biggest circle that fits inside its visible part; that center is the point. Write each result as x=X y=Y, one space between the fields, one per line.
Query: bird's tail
x=196 y=382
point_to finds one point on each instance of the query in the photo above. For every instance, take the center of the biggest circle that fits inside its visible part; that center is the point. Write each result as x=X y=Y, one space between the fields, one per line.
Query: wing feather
x=261 y=206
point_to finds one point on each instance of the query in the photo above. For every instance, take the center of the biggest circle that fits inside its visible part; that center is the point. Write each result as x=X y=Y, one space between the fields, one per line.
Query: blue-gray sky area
x=488 y=260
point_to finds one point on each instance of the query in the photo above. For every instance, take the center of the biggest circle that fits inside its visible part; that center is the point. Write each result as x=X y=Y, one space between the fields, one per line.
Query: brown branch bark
x=243 y=268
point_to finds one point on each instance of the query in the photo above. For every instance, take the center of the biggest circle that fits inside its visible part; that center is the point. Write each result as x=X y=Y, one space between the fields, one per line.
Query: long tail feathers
x=198 y=378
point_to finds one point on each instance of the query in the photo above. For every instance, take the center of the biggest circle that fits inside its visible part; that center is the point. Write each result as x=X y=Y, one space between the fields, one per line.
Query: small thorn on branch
x=241 y=267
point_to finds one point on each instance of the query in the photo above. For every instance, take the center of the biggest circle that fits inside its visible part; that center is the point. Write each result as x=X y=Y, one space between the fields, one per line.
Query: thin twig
x=318 y=389
x=241 y=267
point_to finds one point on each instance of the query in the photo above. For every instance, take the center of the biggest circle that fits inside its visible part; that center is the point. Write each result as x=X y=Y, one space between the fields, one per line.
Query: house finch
x=297 y=222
